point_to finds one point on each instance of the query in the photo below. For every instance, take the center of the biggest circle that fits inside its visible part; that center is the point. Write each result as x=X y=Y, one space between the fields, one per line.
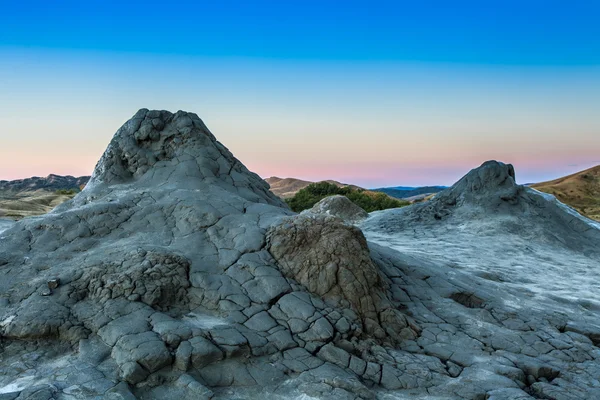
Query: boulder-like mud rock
x=341 y=207
x=332 y=259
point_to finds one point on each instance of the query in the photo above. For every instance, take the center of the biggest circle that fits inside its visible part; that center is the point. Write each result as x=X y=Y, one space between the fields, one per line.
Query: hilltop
x=288 y=187
x=34 y=196
x=50 y=183
x=410 y=193
x=301 y=195
x=580 y=190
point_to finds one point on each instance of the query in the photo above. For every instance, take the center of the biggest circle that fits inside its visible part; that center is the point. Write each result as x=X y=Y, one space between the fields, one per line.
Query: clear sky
x=375 y=93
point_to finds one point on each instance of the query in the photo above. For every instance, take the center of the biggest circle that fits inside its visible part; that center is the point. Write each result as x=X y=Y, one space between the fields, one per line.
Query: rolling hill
x=37 y=195
x=16 y=205
x=51 y=183
x=288 y=187
x=410 y=193
x=580 y=191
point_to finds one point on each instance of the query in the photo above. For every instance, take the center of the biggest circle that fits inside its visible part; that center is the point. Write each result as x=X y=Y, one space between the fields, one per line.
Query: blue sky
x=374 y=93
x=527 y=32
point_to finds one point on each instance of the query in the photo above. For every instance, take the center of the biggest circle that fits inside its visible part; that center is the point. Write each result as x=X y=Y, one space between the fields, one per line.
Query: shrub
x=67 y=192
x=368 y=201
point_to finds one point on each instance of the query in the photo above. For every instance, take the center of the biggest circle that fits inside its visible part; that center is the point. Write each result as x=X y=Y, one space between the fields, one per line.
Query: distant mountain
x=51 y=183
x=412 y=193
x=17 y=205
x=35 y=196
x=402 y=187
x=580 y=191
x=288 y=187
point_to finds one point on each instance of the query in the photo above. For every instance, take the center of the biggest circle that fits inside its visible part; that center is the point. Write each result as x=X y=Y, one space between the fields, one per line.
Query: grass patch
x=67 y=192
x=366 y=199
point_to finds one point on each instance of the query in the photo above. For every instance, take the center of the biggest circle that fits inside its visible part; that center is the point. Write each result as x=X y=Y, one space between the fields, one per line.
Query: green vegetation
x=366 y=199
x=67 y=192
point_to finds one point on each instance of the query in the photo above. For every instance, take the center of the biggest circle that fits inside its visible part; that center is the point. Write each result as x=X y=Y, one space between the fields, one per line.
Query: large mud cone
x=166 y=212
x=157 y=148
x=156 y=279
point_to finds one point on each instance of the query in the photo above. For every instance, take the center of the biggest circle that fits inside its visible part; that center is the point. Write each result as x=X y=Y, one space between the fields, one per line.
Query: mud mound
x=156 y=280
x=341 y=207
x=332 y=260
x=488 y=201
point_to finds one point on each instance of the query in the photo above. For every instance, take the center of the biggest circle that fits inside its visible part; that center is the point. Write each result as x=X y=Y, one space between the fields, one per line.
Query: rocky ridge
x=51 y=182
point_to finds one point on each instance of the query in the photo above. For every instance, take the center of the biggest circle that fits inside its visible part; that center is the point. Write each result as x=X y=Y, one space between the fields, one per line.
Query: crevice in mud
x=543 y=374
x=593 y=336
x=453 y=369
x=275 y=299
x=318 y=348
x=490 y=276
x=531 y=393
x=468 y=300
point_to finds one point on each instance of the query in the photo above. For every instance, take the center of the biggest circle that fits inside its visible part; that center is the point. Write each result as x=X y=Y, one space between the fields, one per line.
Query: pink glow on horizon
x=366 y=172
x=372 y=176
x=369 y=124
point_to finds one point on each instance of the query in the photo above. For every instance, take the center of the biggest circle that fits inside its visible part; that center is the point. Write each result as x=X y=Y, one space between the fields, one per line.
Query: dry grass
x=580 y=191
x=26 y=204
x=288 y=187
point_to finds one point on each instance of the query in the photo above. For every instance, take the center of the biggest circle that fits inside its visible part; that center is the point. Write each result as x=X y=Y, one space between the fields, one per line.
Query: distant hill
x=51 y=183
x=35 y=196
x=39 y=195
x=402 y=187
x=410 y=193
x=16 y=205
x=580 y=191
x=288 y=187
x=365 y=199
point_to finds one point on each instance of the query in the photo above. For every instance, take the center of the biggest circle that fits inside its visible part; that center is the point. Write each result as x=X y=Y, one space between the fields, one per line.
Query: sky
x=377 y=93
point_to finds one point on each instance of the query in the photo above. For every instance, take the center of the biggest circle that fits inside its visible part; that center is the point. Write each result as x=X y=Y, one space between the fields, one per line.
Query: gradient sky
x=376 y=93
